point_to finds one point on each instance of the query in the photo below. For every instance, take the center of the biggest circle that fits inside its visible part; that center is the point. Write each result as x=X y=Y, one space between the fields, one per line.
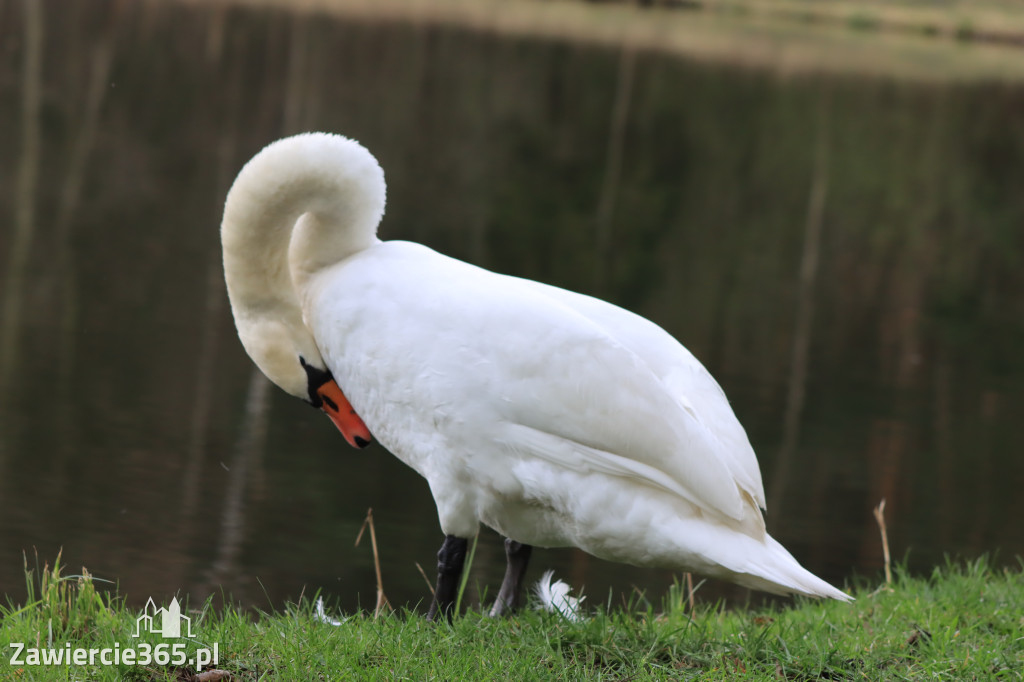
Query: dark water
x=134 y=435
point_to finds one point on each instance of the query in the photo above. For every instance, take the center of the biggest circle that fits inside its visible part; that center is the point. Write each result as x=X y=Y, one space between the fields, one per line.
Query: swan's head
x=301 y=204
x=283 y=351
x=288 y=356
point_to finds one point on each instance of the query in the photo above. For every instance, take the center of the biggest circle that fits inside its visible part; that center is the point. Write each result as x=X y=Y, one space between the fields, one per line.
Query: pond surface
x=846 y=255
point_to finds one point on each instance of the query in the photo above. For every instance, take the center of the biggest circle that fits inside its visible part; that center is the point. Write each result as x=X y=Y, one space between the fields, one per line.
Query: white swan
x=555 y=418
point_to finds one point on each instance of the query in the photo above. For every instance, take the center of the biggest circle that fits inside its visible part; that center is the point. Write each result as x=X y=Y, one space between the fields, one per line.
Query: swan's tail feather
x=777 y=572
x=554 y=597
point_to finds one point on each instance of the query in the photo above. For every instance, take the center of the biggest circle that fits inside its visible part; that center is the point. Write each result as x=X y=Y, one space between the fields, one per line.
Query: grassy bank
x=965 y=621
x=923 y=41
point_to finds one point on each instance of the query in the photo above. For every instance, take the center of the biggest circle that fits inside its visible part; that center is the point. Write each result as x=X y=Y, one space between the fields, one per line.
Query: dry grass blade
x=382 y=601
x=424 y=574
x=689 y=592
x=880 y=518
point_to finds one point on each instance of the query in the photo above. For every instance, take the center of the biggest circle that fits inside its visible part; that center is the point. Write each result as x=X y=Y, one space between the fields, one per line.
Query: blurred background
x=823 y=201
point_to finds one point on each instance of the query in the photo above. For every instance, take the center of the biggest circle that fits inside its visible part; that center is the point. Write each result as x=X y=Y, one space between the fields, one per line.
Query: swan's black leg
x=450 y=560
x=510 y=594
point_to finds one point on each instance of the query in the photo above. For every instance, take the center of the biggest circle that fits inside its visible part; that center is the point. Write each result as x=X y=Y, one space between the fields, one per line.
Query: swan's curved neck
x=337 y=188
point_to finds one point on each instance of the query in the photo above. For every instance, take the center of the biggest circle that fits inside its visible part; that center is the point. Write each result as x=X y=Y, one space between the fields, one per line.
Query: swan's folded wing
x=683 y=376
x=567 y=453
x=597 y=406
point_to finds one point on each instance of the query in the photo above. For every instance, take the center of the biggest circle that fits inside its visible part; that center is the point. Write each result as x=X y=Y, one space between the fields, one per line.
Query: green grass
x=965 y=621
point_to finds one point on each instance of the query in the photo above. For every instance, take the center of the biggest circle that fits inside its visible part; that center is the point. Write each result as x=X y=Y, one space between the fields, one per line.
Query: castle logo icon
x=166 y=622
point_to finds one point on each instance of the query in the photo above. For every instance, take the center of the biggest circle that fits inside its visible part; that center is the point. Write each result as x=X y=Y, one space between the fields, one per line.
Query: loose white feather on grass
x=321 y=615
x=555 y=597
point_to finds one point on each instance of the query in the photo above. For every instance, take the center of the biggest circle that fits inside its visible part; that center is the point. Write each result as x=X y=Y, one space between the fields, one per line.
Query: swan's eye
x=315 y=380
x=329 y=403
x=329 y=398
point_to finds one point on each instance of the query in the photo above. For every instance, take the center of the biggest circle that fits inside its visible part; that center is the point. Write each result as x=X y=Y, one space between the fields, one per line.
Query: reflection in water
x=806 y=287
x=613 y=171
x=81 y=147
x=18 y=241
x=248 y=452
x=24 y=200
x=869 y=335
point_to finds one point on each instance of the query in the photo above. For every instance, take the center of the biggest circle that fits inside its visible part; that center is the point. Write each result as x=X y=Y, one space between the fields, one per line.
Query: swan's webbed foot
x=450 y=560
x=510 y=595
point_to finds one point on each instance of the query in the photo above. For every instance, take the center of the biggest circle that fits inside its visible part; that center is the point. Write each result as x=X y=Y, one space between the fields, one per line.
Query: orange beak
x=336 y=406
